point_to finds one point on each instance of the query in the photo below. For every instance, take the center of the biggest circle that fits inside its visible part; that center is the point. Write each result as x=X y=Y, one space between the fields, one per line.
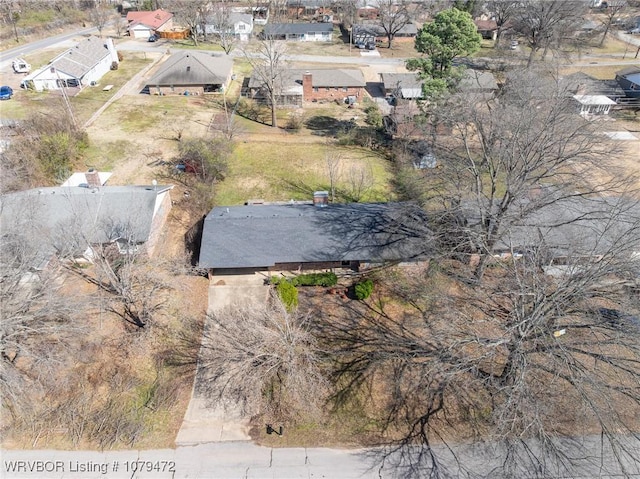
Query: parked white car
x=20 y=66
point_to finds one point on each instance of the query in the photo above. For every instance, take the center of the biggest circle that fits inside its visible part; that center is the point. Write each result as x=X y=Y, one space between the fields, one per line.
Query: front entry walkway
x=203 y=423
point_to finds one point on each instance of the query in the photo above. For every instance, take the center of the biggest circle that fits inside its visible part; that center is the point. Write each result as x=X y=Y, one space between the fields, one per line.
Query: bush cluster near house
x=364 y=289
x=288 y=294
x=311 y=279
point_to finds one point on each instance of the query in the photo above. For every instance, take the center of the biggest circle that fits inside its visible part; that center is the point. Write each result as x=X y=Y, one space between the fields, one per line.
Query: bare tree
x=527 y=361
x=11 y=15
x=546 y=24
x=189 y=13
x=393 y=16
x=503 y=12
x=614 y=9
x=359 y=180
x=501 y=157
x=223 y=27
x=333 y=160
x=262 y=358
x=269 y=67
x=100 y=16
x=135 y=290
x=38 y=318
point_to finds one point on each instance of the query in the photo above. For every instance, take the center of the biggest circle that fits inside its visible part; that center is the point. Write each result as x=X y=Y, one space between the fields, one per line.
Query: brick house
x=298 y=86
x=332 y=84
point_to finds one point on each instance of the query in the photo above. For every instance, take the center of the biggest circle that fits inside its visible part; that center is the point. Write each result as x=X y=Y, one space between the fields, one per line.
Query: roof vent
x=320 y=199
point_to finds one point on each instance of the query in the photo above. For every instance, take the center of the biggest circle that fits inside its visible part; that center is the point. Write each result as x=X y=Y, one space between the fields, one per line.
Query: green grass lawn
x=281 y=171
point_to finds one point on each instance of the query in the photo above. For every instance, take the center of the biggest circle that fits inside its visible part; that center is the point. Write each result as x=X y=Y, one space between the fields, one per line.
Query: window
x=344 y=88
x=315 y=89
x=328 y=88
x=241 y=27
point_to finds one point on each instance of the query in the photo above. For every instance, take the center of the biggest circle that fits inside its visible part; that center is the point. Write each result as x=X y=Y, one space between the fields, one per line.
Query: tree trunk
x=604 y=35
x=531 y=56
x=274 y=118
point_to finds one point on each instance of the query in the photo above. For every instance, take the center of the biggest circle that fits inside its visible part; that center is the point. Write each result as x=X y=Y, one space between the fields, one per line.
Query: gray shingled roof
x=78 y=60
x=193 y=68
x=345 y=77
x=61 y=218
x=478 y=80
x=296 y=28
x=263 y=235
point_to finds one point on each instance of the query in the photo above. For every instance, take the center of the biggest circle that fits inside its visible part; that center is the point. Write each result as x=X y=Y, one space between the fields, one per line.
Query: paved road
x=8 y=55
x=229 y=460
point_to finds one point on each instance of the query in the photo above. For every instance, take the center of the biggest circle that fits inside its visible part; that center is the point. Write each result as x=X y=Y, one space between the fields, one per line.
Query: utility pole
x=63 y=84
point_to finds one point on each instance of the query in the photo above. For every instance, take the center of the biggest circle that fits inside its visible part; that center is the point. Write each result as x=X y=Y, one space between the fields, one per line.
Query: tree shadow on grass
x=328 y=126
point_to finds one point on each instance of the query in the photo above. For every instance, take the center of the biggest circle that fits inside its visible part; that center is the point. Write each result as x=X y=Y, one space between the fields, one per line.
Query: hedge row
x=311 y=279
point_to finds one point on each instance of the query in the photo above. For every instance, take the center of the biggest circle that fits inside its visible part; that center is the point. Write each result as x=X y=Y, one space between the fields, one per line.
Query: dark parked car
x=153 y=38
x=5 y=92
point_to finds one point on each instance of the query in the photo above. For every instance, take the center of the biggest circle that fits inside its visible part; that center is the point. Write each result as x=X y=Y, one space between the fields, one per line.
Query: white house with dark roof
x=67 y=221
x=79 y=66
x=240 y=25
x=302 y=32
x=192 y=73
x=310 y=236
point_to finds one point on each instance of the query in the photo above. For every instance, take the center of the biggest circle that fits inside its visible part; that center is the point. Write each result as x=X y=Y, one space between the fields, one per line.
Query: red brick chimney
x=93 y=177
x=307 y=86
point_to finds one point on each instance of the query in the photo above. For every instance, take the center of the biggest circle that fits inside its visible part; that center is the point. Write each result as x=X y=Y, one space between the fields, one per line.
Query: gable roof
x=62 y=216
x=373 y=29
x=292 y=79
x=193 y=68
x=263 y=235
x=153 y=20
x=80 y=59
x=409 y=84
x=477 y=80
x=296 y=28
x=233 y=18
x=580 y=82
x=631 y=74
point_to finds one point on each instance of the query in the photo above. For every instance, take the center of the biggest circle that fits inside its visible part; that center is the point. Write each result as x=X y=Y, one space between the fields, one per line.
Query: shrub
x=374 y=115
x=364 y=289
x=288 y=294
x=315 y=279
x=294 y=122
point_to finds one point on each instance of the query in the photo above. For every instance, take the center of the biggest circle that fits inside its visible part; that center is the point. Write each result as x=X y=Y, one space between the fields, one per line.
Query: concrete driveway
x=203 y=422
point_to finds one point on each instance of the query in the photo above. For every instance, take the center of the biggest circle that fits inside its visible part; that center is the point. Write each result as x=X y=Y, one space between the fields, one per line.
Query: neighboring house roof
x=193 y=68
x=578 y=226
x=486 y=25
x=153 y=20
x=477 y=80
x=292 y=80
x=594 y=100
x=410 y=29
x=261 y=236
x=233 y=18
x=408 y=84
x=77 y=61
x=344 y=77
x=71 y=218
x=631 y=74
x=307 y=3
x=271 y=29
x=77 y=179
x=582 y=83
